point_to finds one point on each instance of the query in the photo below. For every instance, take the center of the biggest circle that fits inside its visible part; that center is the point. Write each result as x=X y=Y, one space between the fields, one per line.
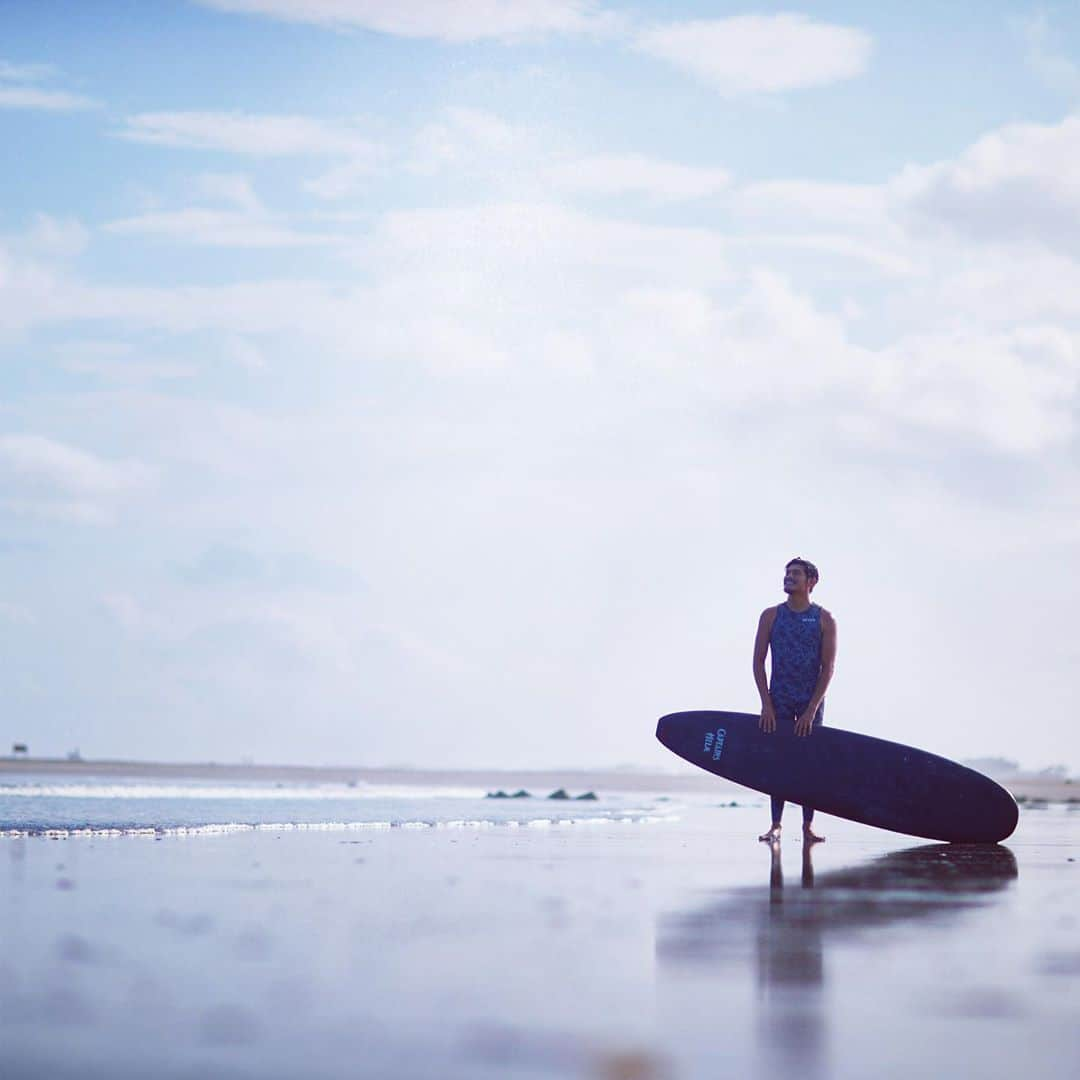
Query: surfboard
x=849 y=775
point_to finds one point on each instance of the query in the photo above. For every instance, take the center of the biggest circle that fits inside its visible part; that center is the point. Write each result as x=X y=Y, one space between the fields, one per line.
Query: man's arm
x=804 y=724
x=761 y=649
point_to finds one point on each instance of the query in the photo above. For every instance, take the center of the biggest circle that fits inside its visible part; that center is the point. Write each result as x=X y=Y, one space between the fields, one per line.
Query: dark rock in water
x=521 y=793
x=560 y=794
x=589 y=795
x=500 y=794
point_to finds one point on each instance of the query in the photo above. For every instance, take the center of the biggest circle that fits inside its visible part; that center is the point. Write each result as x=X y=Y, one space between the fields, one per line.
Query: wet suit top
x=796 y=655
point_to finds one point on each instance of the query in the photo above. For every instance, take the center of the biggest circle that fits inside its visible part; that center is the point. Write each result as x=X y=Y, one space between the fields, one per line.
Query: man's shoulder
x=768 y=614
x=827 y=618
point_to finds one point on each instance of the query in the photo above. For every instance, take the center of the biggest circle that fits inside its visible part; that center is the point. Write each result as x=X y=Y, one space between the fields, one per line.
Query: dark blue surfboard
x=848 y=775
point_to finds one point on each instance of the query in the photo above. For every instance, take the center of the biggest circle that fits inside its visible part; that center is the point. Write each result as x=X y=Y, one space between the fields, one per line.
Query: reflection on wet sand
x=783 y=932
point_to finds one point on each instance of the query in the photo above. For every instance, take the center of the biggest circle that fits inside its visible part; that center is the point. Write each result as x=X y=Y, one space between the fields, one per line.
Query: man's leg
x=785 y=716
x=777 y=813
x=809 y=835
x=785 y=713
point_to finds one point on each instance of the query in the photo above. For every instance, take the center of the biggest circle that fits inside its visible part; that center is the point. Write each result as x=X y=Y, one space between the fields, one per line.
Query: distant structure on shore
x=19 y=749
x=1006 y=769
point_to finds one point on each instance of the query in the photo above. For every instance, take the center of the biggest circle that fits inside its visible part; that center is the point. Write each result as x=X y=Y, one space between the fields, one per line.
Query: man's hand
x=804 y=722
x=768 y=717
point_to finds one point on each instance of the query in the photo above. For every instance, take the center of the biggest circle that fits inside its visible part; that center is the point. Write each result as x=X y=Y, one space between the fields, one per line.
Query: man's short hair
x=809 y=569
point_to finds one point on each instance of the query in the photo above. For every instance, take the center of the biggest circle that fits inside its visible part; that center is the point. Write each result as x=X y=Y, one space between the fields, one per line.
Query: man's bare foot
x=810 y=836
x=772 y=836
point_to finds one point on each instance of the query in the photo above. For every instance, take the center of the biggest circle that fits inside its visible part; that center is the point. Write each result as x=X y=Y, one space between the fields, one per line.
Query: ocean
x=87 y=806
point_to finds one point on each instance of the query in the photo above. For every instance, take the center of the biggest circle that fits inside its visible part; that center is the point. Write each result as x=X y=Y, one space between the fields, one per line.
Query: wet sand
x=680 y=949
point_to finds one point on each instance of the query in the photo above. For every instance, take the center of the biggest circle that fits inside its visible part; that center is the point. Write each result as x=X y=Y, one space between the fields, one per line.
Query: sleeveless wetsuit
x=795 y=643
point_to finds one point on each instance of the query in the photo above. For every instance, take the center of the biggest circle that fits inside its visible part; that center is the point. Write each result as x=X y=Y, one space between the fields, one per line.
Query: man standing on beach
x=802 y=637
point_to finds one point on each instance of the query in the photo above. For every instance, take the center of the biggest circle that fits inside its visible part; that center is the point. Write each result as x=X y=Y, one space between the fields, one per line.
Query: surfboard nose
x=665 y=729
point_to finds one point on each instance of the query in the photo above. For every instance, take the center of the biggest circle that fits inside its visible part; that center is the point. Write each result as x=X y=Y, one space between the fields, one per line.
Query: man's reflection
x=790 y=972
x=788 y=940
x=788 y=930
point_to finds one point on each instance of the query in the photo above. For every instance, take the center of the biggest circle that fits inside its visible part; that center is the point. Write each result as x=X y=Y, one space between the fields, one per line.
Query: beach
x=1024 y=787
x=643 y=935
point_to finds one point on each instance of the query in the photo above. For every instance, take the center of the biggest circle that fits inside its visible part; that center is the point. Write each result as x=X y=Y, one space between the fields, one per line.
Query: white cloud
x=308 y=625
x=1012 y=196
x=1048 y=63
x=38 y=296
x=499 y=160
x=1002 y=286
x=134 y=618
x=852 y=222
x=1019 y=185
x=520 y=237
x=793 y=203
x=482 y=146
x=124 y=373
x=32 y=273
x=459 y=21
x=1015 y=392
x=341 y=181
x=25 y=72
x=639 y=175
x=518 y=287
x=51 y=238
x=31 y=97
x=68 y=468
x=760 y=54
x=18 y=90
x=474 y=143
x=219 y=228
x=232 y=188
x=83 y=349
x=242 y=223
x=261 y=135
x=742 y=341
x=840 y=246
x=465 y=138
x=47 y=478
x=18 y=614
x=245 y=353
x=117 y=362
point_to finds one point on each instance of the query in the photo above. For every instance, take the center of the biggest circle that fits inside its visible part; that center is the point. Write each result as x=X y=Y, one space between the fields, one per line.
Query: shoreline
x=610 y=780
x=1026 y=790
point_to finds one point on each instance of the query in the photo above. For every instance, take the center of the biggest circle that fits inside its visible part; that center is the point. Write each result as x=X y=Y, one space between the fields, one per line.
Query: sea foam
x=225 y=828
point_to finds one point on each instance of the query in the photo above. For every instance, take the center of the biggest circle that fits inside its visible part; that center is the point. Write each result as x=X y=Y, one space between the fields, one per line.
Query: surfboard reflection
x=783 y=932
x=924 y=882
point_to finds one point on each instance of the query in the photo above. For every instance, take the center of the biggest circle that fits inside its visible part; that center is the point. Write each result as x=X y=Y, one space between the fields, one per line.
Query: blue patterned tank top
x=796 y=654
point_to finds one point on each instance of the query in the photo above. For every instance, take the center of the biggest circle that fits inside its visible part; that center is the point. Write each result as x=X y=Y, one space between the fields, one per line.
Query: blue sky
x=429 y=383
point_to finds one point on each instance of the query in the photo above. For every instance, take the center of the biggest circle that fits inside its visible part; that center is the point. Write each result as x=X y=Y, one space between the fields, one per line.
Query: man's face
x=795 y=580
